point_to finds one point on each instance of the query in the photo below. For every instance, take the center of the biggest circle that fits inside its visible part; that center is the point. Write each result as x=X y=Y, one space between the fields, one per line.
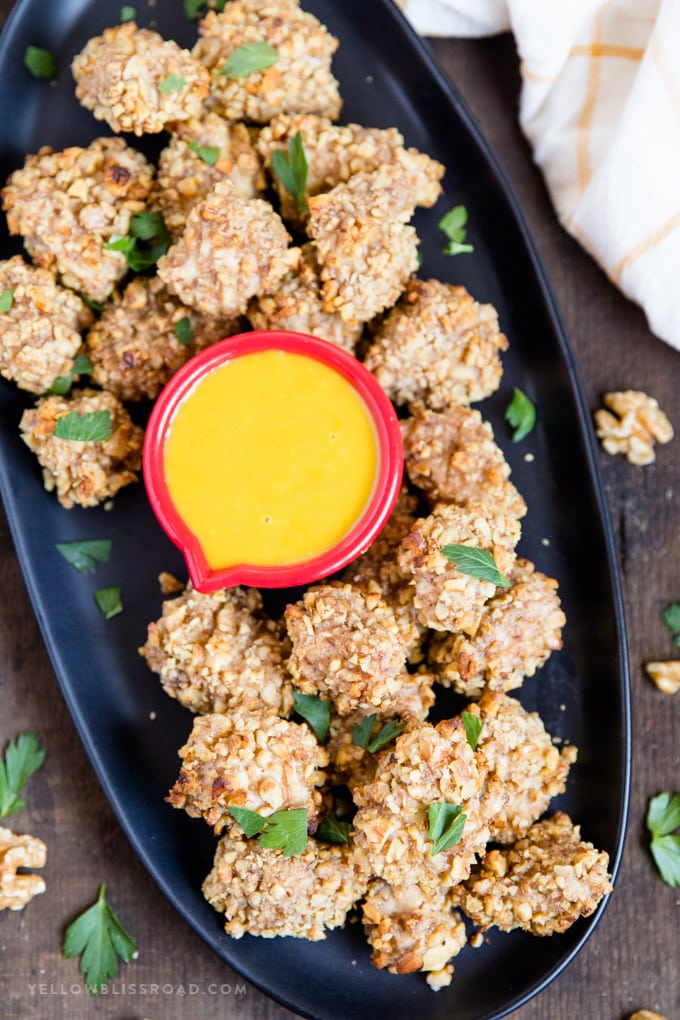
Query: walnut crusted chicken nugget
x=543 y=883
x=256 y=762
x=231 y=249
x=453 y=458
x=366 y=251
x=411 y=929
x=67 y=205
x=296 y=303
x=335 y=152
x=144 y=336
x=448 y=598
x=83 y=472
x=200 y=153
x=298 y=81
x=346 y=646
x=40 y=333
x=515 y=750
x=262 y=892
x=520 y=628
x=437 y=348
x=219 y=653
x=137 y=81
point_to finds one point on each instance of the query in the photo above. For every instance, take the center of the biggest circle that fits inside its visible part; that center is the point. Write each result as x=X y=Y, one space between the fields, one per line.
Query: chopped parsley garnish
x=40 y=63
x=453 y=225
x=291 y=169
x=331 y=830
x=147 y=241
x=95 y=306
x=671 y=617
x=109 y=602
x=208 y=153
x=22 y=758
x=173 y=83
x=128 y=13
x=473 y=728
x=284 y=830
x=315 y=711
x=362 y=731
x=520 y=414
x=85 y=555
x=192 y=8
x=63 y=383
x=445 y=825
x=6 y=300
x=474 y=562
x=663 y=816
x=183 y=330
x=247 y=59
x=98 y=937
x=90 y=427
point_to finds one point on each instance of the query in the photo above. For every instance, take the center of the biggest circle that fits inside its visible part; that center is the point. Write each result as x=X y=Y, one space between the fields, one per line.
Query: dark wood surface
x=633 y=958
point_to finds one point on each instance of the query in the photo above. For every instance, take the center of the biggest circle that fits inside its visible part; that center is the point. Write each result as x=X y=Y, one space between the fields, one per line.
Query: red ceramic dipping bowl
x=380 y=504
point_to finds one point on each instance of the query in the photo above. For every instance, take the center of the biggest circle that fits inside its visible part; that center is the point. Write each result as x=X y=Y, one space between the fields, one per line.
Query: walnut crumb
x=169 y=584
x=645 y=1014
x=636 y=422
x=666 y=675
x=19 y=852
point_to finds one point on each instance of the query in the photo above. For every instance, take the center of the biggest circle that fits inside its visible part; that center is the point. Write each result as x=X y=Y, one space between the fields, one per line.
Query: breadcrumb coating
x=68 y=204
x=437 y=348
x=426 y=764
x=411 y=929
x=40 y=333
x=515 y=750
x=543 y=883
x=133 y=346
x=261 y=892
x=86 y=473
x=519 y=630
x=453 y=458
x=631 y=426
x=299 y=82
x=252 y=761
x=219 y=653
x=137 y=81
x=379 y=566
x=184 y=177
x=366 y=251
x=19 y=852
x=346 y=646
x=335 y=152
x=295 y=303
x=445 y=597
x=232 y=248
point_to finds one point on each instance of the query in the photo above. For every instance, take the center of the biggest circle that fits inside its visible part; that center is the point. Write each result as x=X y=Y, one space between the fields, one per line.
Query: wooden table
x=633 y=959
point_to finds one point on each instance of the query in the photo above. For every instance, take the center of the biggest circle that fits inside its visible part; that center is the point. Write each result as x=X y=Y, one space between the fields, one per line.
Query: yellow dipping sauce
x=270 y=460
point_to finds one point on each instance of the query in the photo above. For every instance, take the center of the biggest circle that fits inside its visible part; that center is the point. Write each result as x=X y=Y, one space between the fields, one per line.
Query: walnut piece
x=637 y=421
x=645 y=1014
x=666 y=675
x=20 y=852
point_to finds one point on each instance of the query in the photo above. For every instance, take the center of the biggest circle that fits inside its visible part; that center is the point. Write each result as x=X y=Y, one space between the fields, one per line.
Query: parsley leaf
x=90 y=427
x=474 y=562
x=63 y=383
x=671 y=617
x=22 y=758
x=173 y=83
x=109 y=602
x=287 y=831
x=250 y=821
x=291 y=169
x=315 y=711
x=473 y=727
x=446 y=824
x=148 y=227
x=40 y=63
x=208 y=153
x=331 y=830
x=663 y=816
x=362 y=732
x=128 y=13
x=98 y=937
x=520 y=414
x=6 y=300
x=85 y=555
x=183 y=330
x=250 y=57
x=95 y=306
x=453 y=225
x=82 y=365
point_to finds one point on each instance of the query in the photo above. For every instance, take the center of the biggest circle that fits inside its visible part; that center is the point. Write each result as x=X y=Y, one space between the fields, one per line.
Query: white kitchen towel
x=600 y=105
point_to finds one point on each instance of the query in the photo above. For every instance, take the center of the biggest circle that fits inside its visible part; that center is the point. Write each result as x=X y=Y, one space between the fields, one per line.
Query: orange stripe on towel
x=645 y=246
x=583 y=161
x=607 y=50
x=665 y=68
